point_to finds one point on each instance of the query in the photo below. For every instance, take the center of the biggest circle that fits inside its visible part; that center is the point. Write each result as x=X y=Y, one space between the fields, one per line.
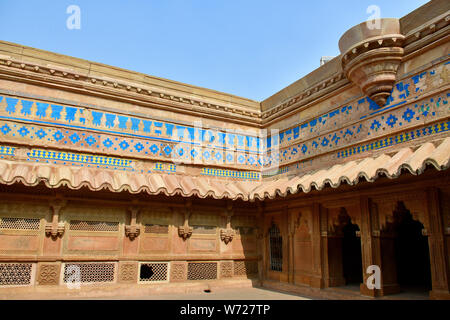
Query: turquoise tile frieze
x=39 y=112
x=396 y=139
x=407 y=89
x=40 y=135
x=79 y=158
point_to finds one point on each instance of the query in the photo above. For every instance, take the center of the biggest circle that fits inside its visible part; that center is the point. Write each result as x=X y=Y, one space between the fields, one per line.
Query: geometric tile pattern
x=7 y=151
x=231 y=173
x=159 y=166
x=396 y=139
x=362 y=119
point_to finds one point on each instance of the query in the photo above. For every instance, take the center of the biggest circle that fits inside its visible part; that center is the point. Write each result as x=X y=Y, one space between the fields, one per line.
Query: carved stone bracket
x=132 y=230
x=227 y=234
x=185 y=231
x=371 y=56
x=55 y=228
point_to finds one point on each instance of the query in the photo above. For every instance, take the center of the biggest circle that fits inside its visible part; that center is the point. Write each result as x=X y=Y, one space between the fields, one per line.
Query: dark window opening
x=146 y=272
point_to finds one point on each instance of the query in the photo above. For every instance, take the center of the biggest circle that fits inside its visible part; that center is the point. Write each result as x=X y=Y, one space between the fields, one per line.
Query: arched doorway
x=412 y=255
x=351 y=249
x=276 y=248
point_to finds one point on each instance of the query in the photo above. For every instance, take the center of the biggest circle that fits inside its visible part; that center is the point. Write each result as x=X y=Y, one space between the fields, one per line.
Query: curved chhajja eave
x=407 y=159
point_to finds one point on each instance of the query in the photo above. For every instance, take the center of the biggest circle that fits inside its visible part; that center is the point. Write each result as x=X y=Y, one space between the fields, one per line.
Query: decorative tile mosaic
x=78 y=157
x=7 y=151
x=363 y=119
x=399 y=138
x=231 y=173
x=165 y=167
x=37 y=112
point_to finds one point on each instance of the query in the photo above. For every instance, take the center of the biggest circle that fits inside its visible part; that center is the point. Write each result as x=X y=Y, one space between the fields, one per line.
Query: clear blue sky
x=250 y=48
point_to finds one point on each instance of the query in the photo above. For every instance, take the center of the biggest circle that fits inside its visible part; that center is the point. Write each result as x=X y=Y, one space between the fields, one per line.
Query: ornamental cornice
x=121 y=89
x=310 y=94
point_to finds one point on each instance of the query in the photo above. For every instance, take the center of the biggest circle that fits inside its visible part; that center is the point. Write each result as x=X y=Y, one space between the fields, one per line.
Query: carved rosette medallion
x=48 y=274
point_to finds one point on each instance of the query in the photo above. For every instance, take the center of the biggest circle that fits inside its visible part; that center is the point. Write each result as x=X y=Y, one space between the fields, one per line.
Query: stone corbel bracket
x=185 y=231
x=132 y=231
x=371 y=55
x=227 y=234
x=55 y=228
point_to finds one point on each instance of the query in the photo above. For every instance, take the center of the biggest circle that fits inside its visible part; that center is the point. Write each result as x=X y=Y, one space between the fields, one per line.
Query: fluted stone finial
x=371 y=55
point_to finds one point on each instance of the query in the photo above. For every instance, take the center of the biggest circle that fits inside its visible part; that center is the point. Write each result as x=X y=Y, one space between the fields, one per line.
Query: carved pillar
x=185 y=231
x=132 y=230
x=323 y=213
x=440 y=273
x=368 y=245
x=261 y=243
x=226 y=235
x=317 y=282
x=383 y=246
x=55 y=228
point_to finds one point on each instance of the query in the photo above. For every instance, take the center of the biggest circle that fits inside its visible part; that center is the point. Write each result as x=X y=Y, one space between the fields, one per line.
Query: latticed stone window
x=154 y=272
x=89 y=272
x=15 y=274
x=20 y=223
x=245 y=268
x=245 y=231
x=276 y=248
x=93 y=225
x=204 y=229
x=202 y=270
x=156 y=228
